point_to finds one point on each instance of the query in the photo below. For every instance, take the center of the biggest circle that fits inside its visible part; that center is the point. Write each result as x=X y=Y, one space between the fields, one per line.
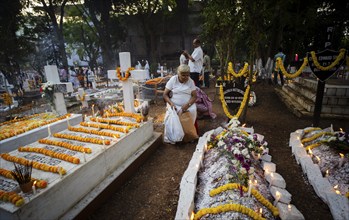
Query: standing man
x=207 y=69
x=196 y=61
x=277 y=70
x=183 y=59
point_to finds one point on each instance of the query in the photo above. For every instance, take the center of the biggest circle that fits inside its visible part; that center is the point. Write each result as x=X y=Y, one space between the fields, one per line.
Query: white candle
x=60 y=172
x=272 y=178
x=327 y=173
x=341 y=160
x=289 y=207
x=277 y=195
x=93 y=110
x=319 y=160
x=249 y=188
x=68 y=121
x=260 y=212
x=34 y=187
x=49 y=130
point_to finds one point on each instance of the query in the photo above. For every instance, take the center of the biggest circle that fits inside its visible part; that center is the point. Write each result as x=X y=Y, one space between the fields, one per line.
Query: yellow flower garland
x=50 y=153
x=115 y=121
x=91 y=131
x=66 y=145
x=242 y=105
x=12 y=197
x=240 y=73
x=289 y=75
x=312 y=146
x=318 y=65
x=227 y=208
x=82 y=139
x=39 y=183
x=104 y=126
x=127 y=74
x=138 y=117
x=315 y=136
x=254 y=192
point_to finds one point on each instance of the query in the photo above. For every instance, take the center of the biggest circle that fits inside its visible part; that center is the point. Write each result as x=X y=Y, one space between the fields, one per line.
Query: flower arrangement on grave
x=105 y=126
x=47 y=90
x=127 y=73
x=115 y=121
x=12 y=197
x=39 y=183
x=36 y=165
x=22 y=174
x=66 y=145
x=91 y=131
x=82 y=139
x=50 y=153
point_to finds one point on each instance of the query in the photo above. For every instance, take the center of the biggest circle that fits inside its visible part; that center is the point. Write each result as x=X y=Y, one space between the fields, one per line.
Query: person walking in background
x=207 y=69
x=183 y=59
x=195 y=61
x=277 y=70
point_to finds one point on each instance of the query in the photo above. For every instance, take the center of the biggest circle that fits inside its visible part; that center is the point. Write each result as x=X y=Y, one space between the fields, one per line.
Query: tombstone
x=112 y=77
x=51 y=73
x=127 y=85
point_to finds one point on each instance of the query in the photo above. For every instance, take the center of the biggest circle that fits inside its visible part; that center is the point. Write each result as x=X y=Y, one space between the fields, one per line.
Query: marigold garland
x=127 y=73
x=291 y=75
x=227 y=208
x=50 y=153
x=82 y=139
x=138 y=117
x=105 y=126
x=240 y=73
x=312 y=146
x=254 y=192
x=39 y=183
x=115 y=121
x=12 y=197
x=66 y=145
x=242 y=105
x=19 y=119
x=318 y=65
x=36 y=165
x=91 y=131
x=315 y=136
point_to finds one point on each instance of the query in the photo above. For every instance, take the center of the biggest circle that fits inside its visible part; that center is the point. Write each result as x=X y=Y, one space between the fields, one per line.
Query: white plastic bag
x=173 y=131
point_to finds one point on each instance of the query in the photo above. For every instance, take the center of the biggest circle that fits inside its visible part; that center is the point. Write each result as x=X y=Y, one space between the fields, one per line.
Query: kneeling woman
x=183 y=91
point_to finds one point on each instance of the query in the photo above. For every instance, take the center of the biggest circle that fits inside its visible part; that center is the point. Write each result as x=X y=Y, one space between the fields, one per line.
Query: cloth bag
x=173 y=131
x=189 y=129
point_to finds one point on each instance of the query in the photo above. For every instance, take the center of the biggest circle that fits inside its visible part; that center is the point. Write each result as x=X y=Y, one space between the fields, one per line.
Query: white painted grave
x=52 y=76
x=127 y=85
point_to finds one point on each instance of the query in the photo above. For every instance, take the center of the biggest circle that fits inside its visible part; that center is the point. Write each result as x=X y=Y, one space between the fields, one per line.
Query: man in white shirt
x=196 y=61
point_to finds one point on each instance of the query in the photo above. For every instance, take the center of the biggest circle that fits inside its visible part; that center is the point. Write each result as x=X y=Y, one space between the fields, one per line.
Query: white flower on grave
x=236 y=151
x=243 y=170
x=239 y=145
x=220 y=143
x=228 y=176
x=245 y=152
x=250 y=146
x=251 y=171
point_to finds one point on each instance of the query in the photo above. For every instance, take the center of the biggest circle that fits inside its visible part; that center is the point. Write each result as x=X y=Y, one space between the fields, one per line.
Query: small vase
x=26 y=187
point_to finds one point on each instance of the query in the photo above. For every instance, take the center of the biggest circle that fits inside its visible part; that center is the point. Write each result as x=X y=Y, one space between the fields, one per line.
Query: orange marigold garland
x=91 y=131
x=66 y=145
x=104 y=126
x=138 y=117
x=39 y=183
x=12 y=197
x=50 y=153
x=115 y=121
x=36 y=165
x=127 y=73
x=82 y=139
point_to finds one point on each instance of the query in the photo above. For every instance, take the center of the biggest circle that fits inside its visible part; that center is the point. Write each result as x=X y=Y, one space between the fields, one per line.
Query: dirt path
x=153 y=191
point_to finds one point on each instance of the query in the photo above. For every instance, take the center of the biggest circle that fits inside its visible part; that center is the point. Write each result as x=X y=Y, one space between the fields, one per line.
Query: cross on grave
x=51 y=73
x=127 y=85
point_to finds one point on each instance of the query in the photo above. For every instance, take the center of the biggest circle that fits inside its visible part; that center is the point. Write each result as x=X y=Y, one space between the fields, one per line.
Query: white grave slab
x=127 y=85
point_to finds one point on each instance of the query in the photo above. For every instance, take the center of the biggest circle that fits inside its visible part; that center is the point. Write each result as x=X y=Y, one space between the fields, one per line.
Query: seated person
x=203 y=104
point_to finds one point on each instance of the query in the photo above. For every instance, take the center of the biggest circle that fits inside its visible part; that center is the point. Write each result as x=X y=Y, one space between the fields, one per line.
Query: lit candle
x=34 y=187
x=84 y=157
x=341 y=160
x=310 y=153
x=115 y=138
x=60 y=172
x=93 y=110
x=249 y=188
x=192 y=216
x=289 y=207
x=49 y=130
x=327 y=173
x=277 y=195
x=260 y=212
x=272 y=178
x=319 y=160
x=68 y=121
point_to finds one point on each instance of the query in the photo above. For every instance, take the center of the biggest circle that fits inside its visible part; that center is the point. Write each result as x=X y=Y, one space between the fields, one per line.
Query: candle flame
x=327 y=172
x=318 y=158
x=310 y=152
x=336 y=186
x=272 y=174
x=278 y=194
x=342 y=155
x=114 y=136
x=341 y=129
x=243 y=125
x=338 y=192
x=289 y=206
x=192 y=216
x=250 y=181
x=34 y=184
x=255 y=181
x=260 y=211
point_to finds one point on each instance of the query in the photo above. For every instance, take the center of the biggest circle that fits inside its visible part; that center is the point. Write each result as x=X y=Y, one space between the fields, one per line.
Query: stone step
x=298 y=96
x=339 y=88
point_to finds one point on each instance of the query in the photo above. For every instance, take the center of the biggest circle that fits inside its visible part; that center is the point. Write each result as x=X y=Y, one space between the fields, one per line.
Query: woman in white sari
x=180 y=92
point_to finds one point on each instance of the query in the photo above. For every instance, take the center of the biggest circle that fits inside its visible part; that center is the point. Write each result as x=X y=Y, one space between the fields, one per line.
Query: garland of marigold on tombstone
x=138 y=117
x=254 y=192
x=240 y=73
x=315 y=136
x=12 y=197
x=115 y=121
x=91 y=131
x=318 y=65
x=127 y=73
x=66 y=145
x=50 y=153
x=104 y=126
x=82 y=139
x=242 y=105
x=39 y=183
x=280 y=65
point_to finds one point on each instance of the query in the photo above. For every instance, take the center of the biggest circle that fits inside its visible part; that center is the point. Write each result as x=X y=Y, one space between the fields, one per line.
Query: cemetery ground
x=153 y=191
